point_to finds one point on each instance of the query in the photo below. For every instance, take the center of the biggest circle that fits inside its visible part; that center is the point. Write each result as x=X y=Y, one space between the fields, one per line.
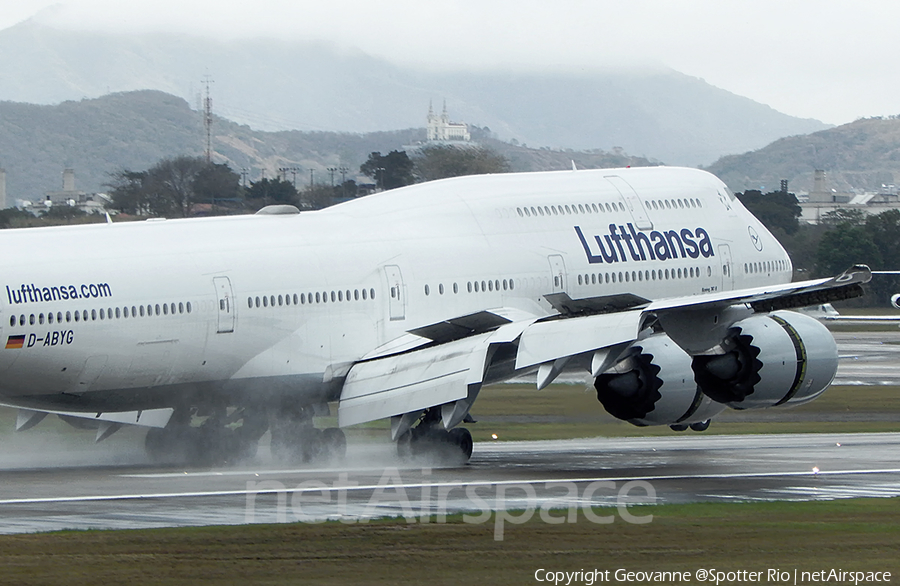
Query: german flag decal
x=15 y=342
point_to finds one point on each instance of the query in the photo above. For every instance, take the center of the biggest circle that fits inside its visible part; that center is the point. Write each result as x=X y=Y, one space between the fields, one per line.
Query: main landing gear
x=294 y=439
x=430 y=439
x=218 y=440
x=699 y=426
x=229 y=436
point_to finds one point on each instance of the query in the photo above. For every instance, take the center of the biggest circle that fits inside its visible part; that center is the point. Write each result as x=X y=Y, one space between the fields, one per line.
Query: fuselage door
x=635 y=205
x=396 y=292
x=225 y=304
x=727 y=267
x=557 y=273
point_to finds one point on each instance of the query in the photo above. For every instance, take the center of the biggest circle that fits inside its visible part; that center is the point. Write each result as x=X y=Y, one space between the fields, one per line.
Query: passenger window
x=68 y=316
x=166 y=307
x=280 y=300
x=77 y=316
x=188 y=306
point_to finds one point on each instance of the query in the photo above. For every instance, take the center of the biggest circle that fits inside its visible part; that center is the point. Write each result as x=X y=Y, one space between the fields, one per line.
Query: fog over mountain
x=863 y=155
x=276 y=85
x=134 y=130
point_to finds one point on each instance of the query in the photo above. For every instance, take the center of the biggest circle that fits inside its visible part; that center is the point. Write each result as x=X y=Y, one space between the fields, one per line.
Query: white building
x=440 y=129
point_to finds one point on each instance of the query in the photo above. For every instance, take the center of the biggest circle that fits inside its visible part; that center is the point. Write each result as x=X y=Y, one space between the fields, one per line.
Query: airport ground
x=732 y=498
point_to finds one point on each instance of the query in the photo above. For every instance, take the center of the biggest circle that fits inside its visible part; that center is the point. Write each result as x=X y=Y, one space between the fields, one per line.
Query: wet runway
x=125 y=492
x=868 y=358
x=513 y=475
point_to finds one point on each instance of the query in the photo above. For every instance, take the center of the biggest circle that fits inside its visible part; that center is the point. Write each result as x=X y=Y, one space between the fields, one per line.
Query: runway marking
x=262 y=491
x=248 y=472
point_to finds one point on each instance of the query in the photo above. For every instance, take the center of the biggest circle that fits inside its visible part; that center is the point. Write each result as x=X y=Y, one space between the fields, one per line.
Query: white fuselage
x=275 y=305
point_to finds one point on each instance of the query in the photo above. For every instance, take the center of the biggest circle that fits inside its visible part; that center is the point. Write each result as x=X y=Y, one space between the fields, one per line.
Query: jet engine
x=773 y=359
x=654 y=385
x=895 y=300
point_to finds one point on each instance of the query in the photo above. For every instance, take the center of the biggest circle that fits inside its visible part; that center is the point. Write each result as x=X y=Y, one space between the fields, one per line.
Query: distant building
x=440 y=129
x=69 y=196
x=821 y=194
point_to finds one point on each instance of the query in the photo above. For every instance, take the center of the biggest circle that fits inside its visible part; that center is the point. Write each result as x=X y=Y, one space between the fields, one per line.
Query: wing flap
x=547 y=341
x=415 y=380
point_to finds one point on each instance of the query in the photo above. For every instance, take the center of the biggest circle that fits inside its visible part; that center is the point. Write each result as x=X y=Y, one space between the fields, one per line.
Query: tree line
x=840 y=239
x=186 y=186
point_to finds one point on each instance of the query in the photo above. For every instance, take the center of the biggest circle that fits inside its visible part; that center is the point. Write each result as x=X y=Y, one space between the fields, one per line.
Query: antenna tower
x=207 y=118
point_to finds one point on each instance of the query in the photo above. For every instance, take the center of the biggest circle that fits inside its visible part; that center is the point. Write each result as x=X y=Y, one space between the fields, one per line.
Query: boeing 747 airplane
x=655 y=282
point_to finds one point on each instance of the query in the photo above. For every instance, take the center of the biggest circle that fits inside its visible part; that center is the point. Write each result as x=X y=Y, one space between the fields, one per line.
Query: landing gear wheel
x=462 y=439
x=156 y=444
x=335 y=442
x=678 y=427
x=454 y=446
x=311 y=444
x=701 y=426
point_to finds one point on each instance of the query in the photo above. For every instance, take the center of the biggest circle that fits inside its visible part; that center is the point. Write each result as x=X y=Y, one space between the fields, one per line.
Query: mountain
x=134 y=130
x=859 y=156
x=275 y=85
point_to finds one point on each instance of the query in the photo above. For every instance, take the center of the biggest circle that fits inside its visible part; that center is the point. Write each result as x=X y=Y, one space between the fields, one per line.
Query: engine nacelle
x=895 y=300
x=654 y=385
x=782 y=357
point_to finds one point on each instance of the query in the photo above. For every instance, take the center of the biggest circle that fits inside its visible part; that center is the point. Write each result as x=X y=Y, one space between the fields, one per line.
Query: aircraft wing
x=446 y=363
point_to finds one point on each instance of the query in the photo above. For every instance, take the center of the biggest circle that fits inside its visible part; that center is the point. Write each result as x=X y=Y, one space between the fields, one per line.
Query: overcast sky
x=832 y=60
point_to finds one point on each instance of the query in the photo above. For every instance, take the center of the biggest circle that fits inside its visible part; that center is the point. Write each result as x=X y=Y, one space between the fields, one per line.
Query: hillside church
x=440 y=129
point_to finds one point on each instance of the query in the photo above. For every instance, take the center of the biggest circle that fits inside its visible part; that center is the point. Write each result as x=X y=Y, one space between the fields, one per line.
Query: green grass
x=862 y=534
x=519 y=412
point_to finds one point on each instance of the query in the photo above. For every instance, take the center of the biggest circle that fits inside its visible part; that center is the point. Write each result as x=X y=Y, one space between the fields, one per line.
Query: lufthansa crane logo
x=755 y=239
